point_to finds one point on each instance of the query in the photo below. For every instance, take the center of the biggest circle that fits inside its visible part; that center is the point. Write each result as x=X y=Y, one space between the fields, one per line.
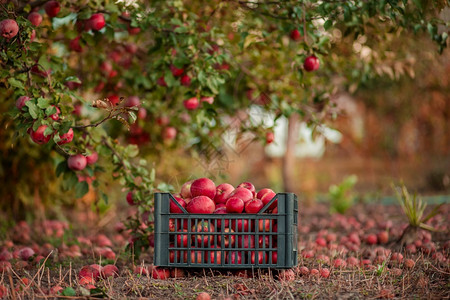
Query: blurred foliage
x=342 y=196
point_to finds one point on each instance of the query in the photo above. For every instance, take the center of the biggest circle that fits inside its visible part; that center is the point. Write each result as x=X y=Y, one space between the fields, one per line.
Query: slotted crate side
x=286 y=236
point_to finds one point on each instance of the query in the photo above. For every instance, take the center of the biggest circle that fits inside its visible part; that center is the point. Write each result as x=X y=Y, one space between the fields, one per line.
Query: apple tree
x=88 y=88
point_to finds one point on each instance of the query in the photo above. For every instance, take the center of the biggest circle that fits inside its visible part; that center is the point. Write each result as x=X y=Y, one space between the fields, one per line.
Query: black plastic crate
x=227 y=241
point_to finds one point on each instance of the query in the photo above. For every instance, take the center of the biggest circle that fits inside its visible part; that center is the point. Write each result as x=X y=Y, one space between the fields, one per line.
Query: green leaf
x=328 y=24
x=61 y=168
x=50 y=110
x=43 y=103
x=81 y=189
x=133 y=116
x=48 y=131
x=15 y=83
x=104 y=197
x=73 y=79
x=181 y=29
x=32 y=109
x=68 y=291
x=211 y=82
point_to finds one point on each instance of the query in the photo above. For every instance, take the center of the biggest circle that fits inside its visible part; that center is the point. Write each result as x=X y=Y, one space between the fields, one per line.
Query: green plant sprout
x=414 y=208
x=342 y=196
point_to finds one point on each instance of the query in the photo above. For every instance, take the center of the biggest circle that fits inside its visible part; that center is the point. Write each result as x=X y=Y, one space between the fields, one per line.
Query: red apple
x=109 y=271
x=89 y=272
x=54 y=290
x=235 y=205
x=234 y=258
x=131 y=48
x=66 y=137
x=214 y=256
x=203 y=187
x=264 y=241
x=130 y=199
x=182 y=239
x=246 y=241
x=221 y=210
x=270 y=137
x=35 y=18
x=203 y=295
x=92 y=159
x=371 y=239
x=20 y=102
x=295 y=35
x=52 y=8
x=264 y=225
x=274 y=257
x=75 y=45
x=191 y=103
x=311 y=63
x=196 y=257
x=174 y=209
x=96 y=22
x=324 y=272
x=133 y=30
x=9 y=28
x=113 y=74
x=242 y=193
x=161 y=81
x=72 y=85
x=106 y=67
x=286 y=275
x=185 y=80
x=267 y=198
x=38 y=136
x=132 y=101
x=169 y=133
x=5 y=266
x=5 y=255
x=141 y=270
x=261 y=257
x=186 y=189
x=160 y=273
x=223 y=191
x=240 y=225
x=162 y=121
x=264 y=191
x=175 y=71
x=228 y=238
x=26 y=253
x=249 y=186
x=55 y=116
x=142 y=113
x=209 y=100
x=383 y=237
x=253 y=206
x=114 y=99
x=177 y=273
x=201 y=205
x=77 y=162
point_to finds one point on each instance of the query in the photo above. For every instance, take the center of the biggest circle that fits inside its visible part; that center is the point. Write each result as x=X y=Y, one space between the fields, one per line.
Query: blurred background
x=394 y=125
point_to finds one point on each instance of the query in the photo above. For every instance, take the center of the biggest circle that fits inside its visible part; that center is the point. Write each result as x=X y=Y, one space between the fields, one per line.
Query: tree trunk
x=289 y=183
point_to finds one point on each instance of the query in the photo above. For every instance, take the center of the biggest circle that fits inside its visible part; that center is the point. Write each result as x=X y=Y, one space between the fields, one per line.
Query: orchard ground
x=363 y=262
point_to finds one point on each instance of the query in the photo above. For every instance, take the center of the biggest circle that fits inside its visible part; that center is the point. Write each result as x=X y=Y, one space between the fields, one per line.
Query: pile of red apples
x=245 y=240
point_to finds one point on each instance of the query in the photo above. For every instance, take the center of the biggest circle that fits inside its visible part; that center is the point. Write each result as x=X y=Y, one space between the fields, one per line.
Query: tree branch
x=119 y=157
x=109 y=116
x=32 y=5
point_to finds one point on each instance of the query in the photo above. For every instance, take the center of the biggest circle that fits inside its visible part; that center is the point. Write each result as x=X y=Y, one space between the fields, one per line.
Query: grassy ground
x=331 y=240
